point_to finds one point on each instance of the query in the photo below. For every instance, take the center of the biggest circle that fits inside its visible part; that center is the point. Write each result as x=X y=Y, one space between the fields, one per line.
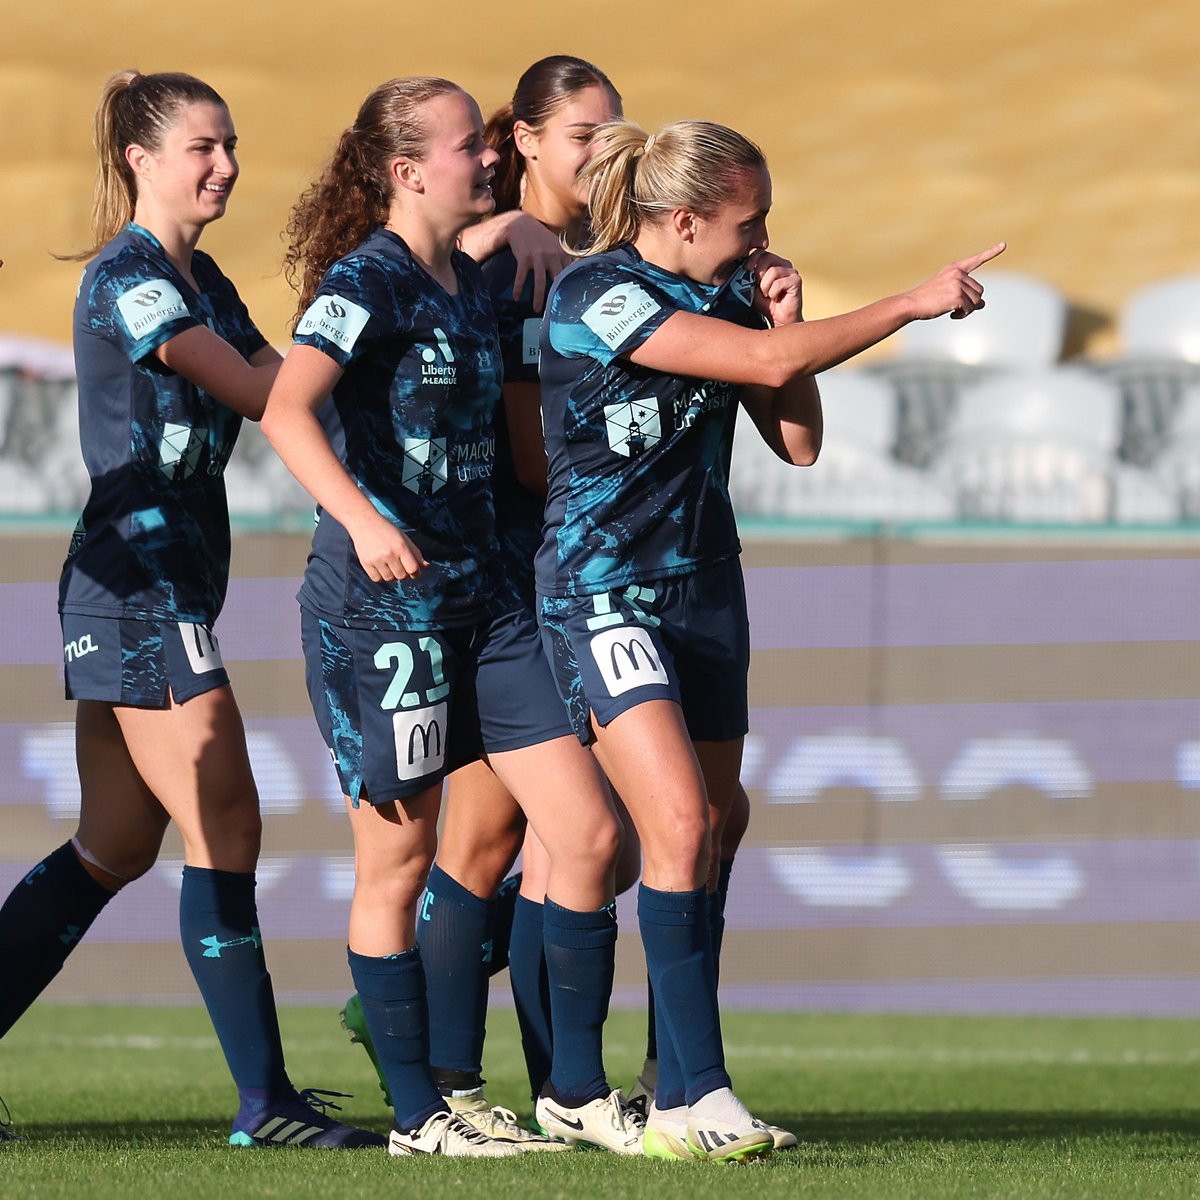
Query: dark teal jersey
x=639 y=484
x=519 y=513
x=153 y=541
x=415 y=404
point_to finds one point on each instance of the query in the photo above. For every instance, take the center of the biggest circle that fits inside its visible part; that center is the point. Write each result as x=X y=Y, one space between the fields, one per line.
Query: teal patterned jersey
x=421 y=378
x=519 y=512
x=153 y=541
x=638 y=459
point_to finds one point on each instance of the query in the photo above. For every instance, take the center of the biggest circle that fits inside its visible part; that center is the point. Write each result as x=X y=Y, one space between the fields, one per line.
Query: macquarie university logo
x=424 y=465
x=180 y=449
x=336 y=319
x=420 y=735
x=149 y=305
x=619 y=312
x=627 y=659
x=632 y=428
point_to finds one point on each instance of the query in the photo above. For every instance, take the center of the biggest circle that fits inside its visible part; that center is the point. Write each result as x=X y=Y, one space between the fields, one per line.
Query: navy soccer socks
x=678 y=942
x=580 y=956
x=392 y=991
x=531 y=989
x=218 y=923
x=454 y=932
x=41 y=922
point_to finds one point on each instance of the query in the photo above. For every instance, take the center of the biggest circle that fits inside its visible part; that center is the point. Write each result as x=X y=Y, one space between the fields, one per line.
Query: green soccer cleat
x=354 y=1022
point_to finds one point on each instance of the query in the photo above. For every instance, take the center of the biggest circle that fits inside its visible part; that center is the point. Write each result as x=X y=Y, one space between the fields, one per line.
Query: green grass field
x=127 y=1102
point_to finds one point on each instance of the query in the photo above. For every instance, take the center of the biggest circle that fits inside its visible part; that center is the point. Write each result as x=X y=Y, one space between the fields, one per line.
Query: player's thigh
x=121 y=822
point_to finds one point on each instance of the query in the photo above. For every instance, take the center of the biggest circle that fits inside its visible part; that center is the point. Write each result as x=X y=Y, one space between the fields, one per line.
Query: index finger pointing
x=977 y=260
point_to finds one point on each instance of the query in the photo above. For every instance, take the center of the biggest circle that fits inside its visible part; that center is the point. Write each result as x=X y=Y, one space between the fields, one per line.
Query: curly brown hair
x=352 y=194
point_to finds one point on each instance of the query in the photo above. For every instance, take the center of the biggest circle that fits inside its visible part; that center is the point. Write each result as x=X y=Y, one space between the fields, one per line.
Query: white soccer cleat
x=666 y=1134
x=784 y=1139
x=448 y=1134
x=500 y=1124
x=719 y=1129
x=607 y=1122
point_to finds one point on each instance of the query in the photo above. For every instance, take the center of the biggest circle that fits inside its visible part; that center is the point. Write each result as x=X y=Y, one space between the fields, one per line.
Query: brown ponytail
x=134 y=110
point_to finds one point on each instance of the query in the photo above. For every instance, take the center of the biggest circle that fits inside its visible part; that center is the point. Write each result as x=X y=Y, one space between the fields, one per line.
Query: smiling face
x=456 y=165
x=189 y=177
x=723 y=239
x=555 y=153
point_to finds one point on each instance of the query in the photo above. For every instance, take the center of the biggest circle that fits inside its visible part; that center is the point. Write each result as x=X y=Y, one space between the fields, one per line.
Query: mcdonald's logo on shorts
x=420 y=735
x=627 y=658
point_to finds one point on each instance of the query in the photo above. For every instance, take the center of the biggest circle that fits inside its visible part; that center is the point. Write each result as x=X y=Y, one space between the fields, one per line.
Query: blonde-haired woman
x=676 y=315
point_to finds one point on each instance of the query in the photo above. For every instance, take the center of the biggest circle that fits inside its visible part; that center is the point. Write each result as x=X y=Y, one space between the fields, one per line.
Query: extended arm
x=690 y=344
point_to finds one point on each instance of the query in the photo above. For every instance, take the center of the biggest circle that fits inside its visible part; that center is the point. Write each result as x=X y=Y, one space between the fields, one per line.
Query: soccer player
x=676 y=315
x=541 y=138
x=168 y=364
x=420 y=657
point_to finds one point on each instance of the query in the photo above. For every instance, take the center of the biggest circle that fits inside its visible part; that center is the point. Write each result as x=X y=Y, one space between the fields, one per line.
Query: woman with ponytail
x=676 y=315
x=168 y=364
x=421 y=657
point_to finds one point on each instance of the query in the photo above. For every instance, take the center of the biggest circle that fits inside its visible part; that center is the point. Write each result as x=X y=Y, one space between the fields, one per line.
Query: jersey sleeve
x=603 y=310
x=520 y=327
x=355 y=306
x=134 y=304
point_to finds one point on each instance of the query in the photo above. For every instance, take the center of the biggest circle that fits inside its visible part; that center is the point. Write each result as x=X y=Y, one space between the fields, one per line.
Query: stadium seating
x=1023 y=324
x=1033 y=445
x=856 y=477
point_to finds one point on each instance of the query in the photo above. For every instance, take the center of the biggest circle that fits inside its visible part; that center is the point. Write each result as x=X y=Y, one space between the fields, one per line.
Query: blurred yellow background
x=900 y=136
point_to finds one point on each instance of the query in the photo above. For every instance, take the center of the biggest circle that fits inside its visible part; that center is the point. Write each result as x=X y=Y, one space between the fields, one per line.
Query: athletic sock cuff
x=571 y=929
x=392 y=977
x=672 y=908
x=446 y=887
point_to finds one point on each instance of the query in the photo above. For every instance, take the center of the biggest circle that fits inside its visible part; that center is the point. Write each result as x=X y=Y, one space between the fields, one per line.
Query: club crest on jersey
x=632 y=428
x=145 y=307
x=424 y=465
x=335 y=318
x=437 y=361
x=180 y=450
x=620 y=311
x=742 y=284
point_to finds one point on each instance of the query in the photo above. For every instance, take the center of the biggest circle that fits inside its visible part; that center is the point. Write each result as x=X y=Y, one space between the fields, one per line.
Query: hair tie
x=645 y=148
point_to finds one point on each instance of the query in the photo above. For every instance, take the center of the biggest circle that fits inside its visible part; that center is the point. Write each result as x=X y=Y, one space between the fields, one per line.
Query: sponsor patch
x=424 y=465
x=531 y=333
x=149 y=305
x=420 y=740
x=632 y=428
x=201 y=647
x=620 y=311
x=335 y=318
x=627 y=659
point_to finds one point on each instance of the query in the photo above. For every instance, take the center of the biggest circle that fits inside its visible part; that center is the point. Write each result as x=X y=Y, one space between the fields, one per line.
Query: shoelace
x=464 y=1129
x=320 y=1100
x=7 y=1133
x=623 y=1117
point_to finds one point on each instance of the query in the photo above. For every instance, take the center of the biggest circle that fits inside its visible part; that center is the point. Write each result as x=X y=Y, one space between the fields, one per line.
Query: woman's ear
x=407 y=174
x=525 y=139
x=683 y=221
x=138 y=160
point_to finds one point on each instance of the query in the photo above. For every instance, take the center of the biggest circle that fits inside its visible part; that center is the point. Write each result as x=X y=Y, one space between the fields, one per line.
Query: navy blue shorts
x=685 y=639
x=400 y=710
x=139 y=663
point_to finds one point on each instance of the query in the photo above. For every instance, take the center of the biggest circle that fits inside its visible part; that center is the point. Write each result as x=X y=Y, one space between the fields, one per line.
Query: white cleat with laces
x=607 y=1122
x=446 y=1133
x=500 y=1124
